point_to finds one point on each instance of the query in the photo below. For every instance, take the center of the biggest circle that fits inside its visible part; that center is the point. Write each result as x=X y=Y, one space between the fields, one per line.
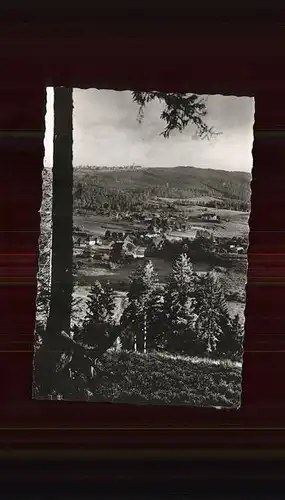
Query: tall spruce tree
x=99 y=314
x=212 y=316
x=96 y=310
x=155 y=326
x=178 y=314
x=136 y=318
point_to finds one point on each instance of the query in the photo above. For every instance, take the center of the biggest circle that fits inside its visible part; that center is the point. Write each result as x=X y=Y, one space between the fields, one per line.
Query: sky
x=106 y=132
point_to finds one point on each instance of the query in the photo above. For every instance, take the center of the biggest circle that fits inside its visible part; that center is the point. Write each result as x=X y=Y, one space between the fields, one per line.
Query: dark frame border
x=247 y=61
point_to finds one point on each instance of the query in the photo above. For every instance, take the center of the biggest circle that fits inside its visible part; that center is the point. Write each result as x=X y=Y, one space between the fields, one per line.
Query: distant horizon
x=50 y=167
x=144 y=167
x=105 y=127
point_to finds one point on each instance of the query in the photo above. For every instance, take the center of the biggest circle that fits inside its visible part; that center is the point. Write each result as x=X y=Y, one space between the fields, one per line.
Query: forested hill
x=176 y=182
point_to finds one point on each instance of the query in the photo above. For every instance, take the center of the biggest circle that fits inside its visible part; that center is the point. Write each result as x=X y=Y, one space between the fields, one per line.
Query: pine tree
x=117 y=253
x=129 y=326
x=99 y=315
x=178 y=315
x=212 y=317
x=155 y=331
x=136 y=318
x=96 y=310
x=109 y=302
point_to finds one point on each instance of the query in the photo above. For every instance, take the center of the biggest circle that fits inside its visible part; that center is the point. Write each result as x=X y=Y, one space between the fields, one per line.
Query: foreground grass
x=136 y=378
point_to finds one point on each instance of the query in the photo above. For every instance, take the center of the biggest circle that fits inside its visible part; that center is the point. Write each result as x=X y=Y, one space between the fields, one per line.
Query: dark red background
x=213 y=52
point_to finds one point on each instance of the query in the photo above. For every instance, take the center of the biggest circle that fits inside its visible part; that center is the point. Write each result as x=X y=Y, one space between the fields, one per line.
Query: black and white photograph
x=142 y=265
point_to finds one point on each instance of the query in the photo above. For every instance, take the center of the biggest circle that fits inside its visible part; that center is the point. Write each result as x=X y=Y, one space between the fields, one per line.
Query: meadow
x=159 y=378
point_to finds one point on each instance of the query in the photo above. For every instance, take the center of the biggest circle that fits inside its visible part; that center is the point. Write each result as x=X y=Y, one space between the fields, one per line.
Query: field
x=234 y=223
x=136 y=378
x=97 y=224
x=162 y=267
x=196 y=199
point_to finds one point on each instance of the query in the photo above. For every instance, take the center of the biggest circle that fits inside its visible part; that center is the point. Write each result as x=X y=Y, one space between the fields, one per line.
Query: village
x=120 y=238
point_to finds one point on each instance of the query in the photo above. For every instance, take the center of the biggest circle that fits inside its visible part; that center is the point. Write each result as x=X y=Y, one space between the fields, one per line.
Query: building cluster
x=146 y=232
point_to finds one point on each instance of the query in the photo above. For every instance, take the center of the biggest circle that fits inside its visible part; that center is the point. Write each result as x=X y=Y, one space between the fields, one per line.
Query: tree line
x=187 y=316
x=93 y=193
x=203 y=248
x=227 y=204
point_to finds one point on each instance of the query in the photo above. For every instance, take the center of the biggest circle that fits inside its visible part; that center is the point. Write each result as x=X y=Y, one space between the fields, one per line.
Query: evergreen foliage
x=178 y=314
x=143 y=307
x=212 y=316
x=98 y=322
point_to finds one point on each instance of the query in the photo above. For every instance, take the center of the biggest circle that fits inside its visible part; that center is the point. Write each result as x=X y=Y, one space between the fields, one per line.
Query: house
x=128 y=242
x=76 y=240
x=120 y=236
x=240 y=250
x=139 y=252
x=80 y=234
x=105 y=257
x=204 y=233
x=148 y=220
x=192 y=234
x=82 y=243
x=91 y=241
x=98 y=241
x=128 y=248
x=157 y=243
x=211 y=217
x=236 y=249
x=136 y=252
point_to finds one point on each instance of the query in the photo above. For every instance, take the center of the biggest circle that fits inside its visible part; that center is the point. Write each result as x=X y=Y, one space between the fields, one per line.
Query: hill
x=176 y=182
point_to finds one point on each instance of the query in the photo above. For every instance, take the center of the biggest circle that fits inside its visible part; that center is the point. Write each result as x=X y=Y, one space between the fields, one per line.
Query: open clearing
x=136 y=378
x=197 y=199
x=121 y=275
x=233 y=223
x=97 y=224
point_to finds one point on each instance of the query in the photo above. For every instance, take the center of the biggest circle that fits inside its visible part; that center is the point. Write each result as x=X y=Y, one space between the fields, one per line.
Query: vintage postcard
x=143 y=247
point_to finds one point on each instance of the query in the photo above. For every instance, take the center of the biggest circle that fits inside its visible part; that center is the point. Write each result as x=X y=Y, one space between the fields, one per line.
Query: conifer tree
x=99 y=315
x=109 y=302
x=178 y=314
x=96 y=310
x=212 y=317
x=135 y=320
x=155 y=326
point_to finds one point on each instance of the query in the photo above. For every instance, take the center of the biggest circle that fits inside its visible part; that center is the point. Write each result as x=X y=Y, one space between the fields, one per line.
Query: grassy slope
x=188 y=180
x=163 y=379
